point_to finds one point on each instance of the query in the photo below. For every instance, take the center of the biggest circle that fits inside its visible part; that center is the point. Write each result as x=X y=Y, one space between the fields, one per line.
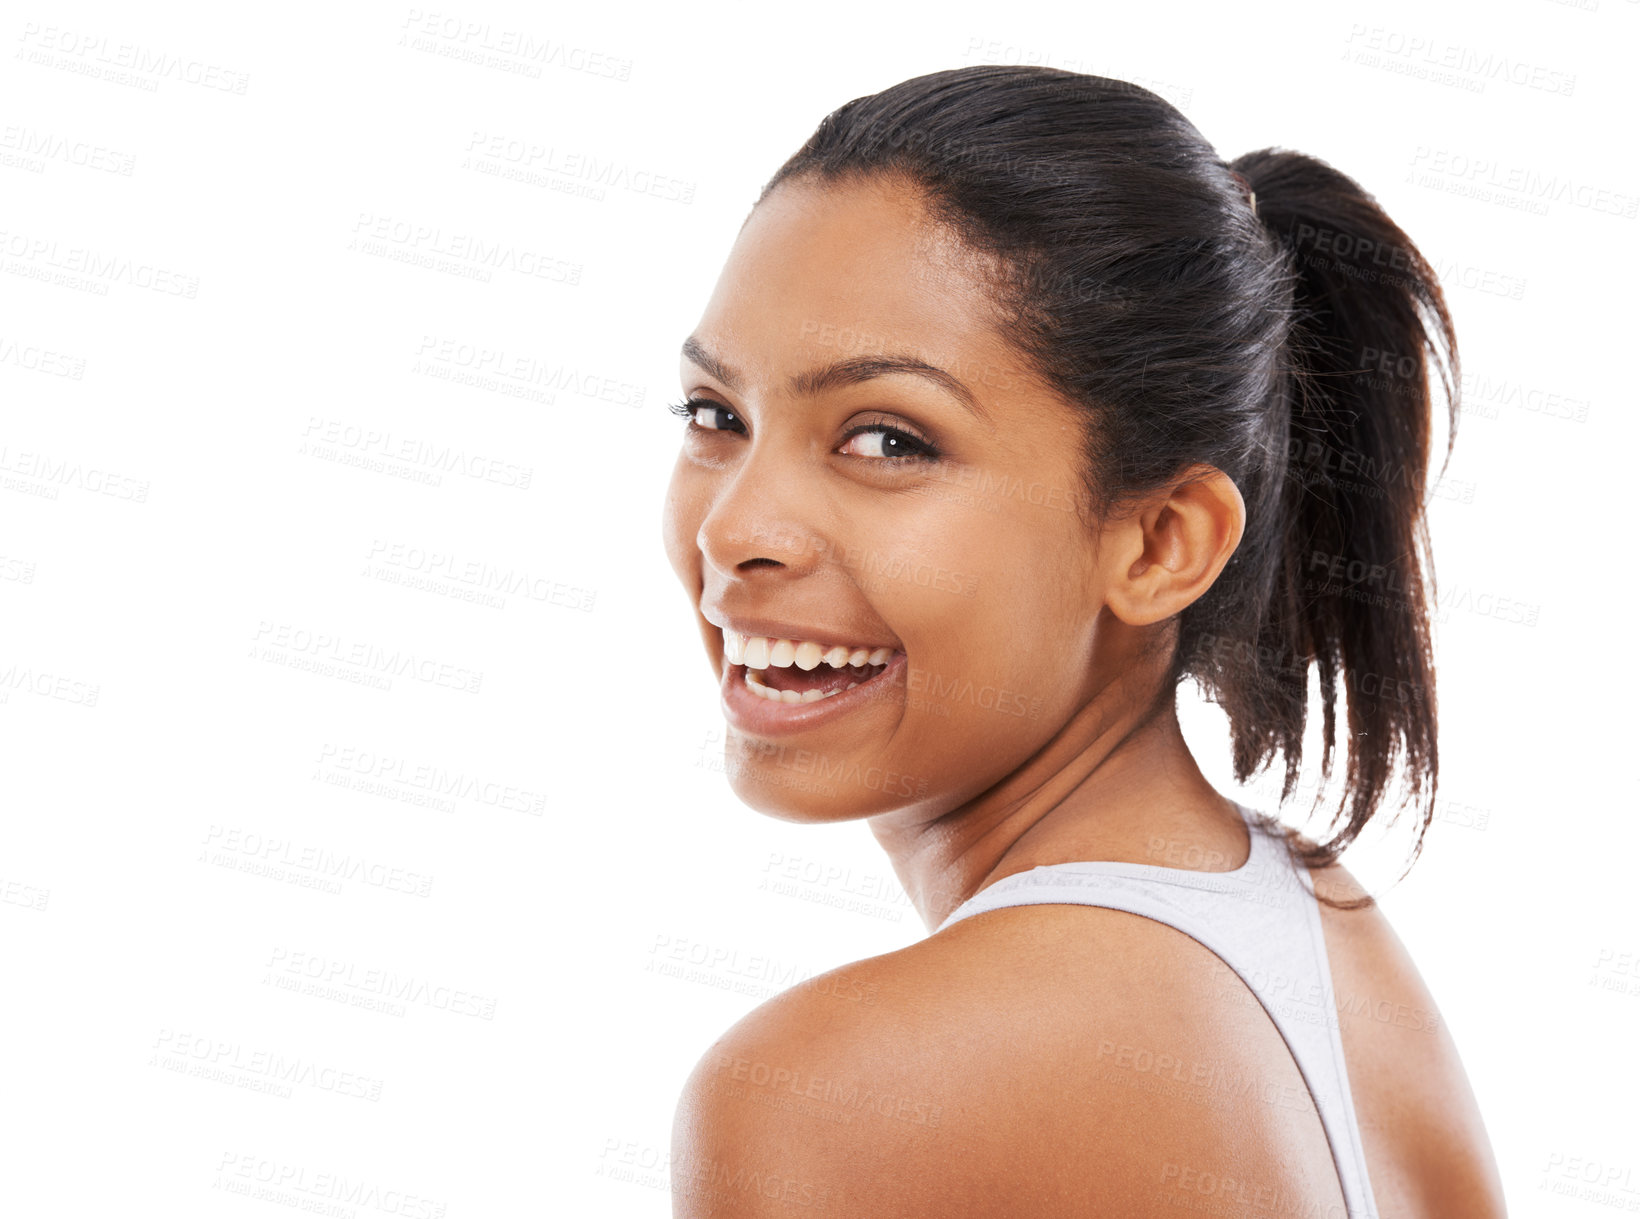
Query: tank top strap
x=1262 y=922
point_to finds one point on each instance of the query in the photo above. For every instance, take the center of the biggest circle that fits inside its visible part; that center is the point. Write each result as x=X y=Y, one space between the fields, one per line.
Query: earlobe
x=1175 y=546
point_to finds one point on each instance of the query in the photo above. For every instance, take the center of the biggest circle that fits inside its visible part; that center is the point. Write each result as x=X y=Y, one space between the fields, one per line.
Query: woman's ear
x=1165 y=553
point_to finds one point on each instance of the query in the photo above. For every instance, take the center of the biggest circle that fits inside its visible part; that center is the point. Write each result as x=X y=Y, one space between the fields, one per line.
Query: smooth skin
x=1007 y=1066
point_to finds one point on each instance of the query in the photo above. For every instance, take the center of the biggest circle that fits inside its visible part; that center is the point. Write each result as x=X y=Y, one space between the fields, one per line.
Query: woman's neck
x=1108 y=786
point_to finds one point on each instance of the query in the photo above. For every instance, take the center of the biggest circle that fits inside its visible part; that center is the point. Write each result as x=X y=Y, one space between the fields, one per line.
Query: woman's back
x=1261 y=923
x=1426 y=1146
x=1056 y=1058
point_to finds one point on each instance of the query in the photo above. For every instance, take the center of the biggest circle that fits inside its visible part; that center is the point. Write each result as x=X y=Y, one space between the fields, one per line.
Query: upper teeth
x=761 y=652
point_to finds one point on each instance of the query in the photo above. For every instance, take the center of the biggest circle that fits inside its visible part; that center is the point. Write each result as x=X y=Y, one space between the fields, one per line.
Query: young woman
x=1014 y=407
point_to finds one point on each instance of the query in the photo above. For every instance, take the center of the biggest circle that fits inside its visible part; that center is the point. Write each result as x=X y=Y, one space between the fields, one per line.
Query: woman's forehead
x=852 y=268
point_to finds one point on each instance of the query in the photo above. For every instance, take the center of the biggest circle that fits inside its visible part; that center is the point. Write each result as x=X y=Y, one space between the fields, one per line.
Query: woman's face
x=792 y=513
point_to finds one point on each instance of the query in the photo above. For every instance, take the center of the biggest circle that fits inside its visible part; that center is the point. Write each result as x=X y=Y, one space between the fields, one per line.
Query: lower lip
x=758 y=716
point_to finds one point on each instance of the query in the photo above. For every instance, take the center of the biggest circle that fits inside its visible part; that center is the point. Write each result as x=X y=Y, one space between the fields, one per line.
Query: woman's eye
x=889 y=444
x=877 y=441
x=718 y=418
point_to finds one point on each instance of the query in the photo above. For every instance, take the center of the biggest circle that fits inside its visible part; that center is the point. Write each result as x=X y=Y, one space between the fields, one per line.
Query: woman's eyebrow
x=850 y=371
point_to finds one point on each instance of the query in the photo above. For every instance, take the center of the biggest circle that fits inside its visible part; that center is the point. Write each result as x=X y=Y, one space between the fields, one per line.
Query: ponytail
x=1265 y=318
x=1367 y=320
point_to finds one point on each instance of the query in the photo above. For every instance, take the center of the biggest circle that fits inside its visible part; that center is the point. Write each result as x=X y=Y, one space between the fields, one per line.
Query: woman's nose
x=762 y=515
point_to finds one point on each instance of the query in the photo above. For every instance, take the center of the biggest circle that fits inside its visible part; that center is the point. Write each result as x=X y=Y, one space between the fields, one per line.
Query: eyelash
x=926 y=452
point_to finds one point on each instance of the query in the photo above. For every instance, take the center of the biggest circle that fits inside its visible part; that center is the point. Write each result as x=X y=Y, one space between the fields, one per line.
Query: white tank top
x=1262 y=922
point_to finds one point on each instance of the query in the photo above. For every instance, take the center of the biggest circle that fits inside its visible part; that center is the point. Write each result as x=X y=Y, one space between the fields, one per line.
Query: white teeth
x=761 y=652
x=757 y=687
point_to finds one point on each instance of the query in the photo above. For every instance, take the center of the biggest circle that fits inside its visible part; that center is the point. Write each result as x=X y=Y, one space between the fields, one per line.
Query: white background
x=168 y=548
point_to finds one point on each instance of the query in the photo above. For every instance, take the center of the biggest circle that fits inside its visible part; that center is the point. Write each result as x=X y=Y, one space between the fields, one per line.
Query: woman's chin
x=788 y=795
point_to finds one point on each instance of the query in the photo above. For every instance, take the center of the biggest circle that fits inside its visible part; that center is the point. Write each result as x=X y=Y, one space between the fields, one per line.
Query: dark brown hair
x=1282 y=334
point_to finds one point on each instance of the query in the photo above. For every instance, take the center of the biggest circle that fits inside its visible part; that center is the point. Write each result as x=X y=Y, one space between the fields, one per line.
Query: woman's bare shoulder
x=1041 y=1061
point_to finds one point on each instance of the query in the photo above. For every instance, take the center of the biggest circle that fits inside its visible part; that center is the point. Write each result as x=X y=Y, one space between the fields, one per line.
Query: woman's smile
x=789 y=669
x=842 y=515
x=776 y=701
